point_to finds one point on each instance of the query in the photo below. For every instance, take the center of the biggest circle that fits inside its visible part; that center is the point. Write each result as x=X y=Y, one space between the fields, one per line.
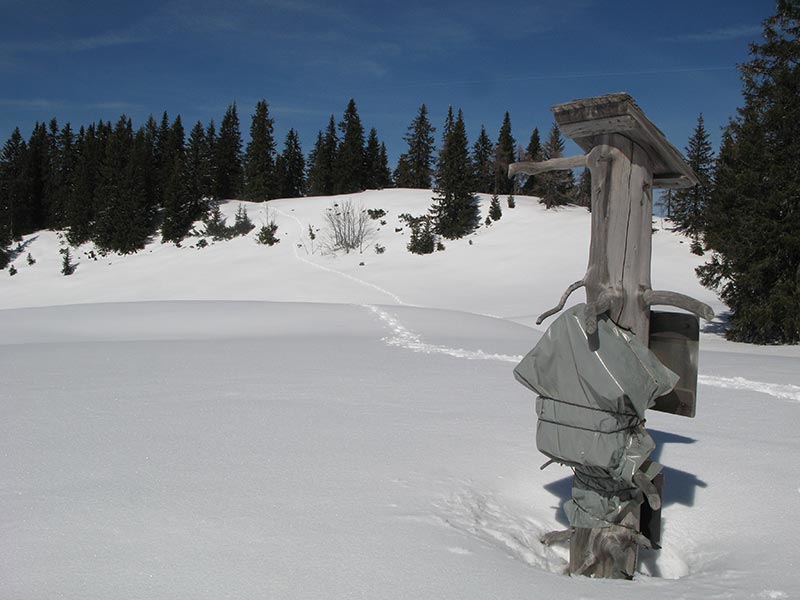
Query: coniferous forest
x=121 y=184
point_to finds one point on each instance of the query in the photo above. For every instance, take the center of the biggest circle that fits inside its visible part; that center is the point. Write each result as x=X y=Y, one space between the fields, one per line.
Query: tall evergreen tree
x=533 y=152
x=197 y=166
x=209 y=181
x=80 y=208
x=483 y=163
x=378 y=175
x=583 y=191
x=557 y=186
x=321 y=173
x=34 y=213
x=504 y=156
x=455 y=209
x=688 y=205
x=123 y=222
x=752 y=217
x=260 y=177
x=62 y=168
x=12 y=190
x=228 y=155
x=415 y=167
x=292 y=163
x=350 y=164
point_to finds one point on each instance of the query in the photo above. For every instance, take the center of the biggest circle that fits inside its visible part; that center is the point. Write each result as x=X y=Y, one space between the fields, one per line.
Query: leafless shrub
x=348 y=227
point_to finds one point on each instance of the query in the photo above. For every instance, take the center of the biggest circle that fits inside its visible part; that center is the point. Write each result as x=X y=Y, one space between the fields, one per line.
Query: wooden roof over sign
x=585 y=119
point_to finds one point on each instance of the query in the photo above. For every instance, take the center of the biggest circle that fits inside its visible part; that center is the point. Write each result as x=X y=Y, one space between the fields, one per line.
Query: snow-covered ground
x=243 y=421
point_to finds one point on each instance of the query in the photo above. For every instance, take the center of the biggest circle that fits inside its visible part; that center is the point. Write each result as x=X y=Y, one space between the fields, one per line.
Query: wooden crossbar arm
x=554 y=164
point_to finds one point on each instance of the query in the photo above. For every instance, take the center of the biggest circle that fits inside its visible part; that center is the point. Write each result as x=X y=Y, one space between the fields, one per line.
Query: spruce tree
x=228 y=156
x=377 y=168
x=350 y=173
x=292 y=167
x=209 y=182
x=504 y=156
x=80 y=209
x=197 y=165
x=34 y=213
x=688 y=205
x=62 y=166
x=495 y=210
x=483 y=166
x=321 y=171
x=178 y=205
x=455 y=210
x=260 y=177
x=123 y=221
x=753 y=213
x=533 y=153
x=583 y=191
x=13 y=192
x=415 y=167
x=557 y=187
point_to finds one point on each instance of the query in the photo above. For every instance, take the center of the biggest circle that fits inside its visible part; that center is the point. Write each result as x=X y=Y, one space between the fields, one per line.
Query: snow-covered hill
x=245 y=421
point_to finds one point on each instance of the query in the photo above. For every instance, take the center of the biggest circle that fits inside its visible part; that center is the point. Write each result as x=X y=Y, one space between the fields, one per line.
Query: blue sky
x=81 y=61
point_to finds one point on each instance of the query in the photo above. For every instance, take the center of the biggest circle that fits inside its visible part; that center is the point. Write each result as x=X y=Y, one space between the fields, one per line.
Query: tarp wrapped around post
x=591 y=408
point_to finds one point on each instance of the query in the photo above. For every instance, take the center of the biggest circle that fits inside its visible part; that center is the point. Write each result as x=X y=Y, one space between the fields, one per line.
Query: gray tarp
x=591 y=407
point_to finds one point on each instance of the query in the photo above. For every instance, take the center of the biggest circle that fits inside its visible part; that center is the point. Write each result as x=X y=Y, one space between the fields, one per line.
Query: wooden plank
x=554 y=164
x=584 y=129
x=674 y=339
x=578 y=116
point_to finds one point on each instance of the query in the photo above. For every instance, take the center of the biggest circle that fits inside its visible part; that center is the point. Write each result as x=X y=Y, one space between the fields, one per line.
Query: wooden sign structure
x=627 y=156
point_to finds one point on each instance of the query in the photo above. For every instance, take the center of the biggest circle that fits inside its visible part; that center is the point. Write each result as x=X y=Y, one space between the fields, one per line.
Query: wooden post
x=627 y=157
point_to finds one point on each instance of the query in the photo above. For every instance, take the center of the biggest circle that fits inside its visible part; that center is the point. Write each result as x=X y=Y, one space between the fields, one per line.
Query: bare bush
x=348 y=227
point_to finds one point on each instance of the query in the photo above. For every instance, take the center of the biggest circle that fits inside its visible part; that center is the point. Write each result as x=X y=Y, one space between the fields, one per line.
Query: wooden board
x=585 y=119
x=675 y=340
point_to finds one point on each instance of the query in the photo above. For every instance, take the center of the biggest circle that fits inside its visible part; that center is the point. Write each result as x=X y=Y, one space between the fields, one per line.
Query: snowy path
x=302 y=259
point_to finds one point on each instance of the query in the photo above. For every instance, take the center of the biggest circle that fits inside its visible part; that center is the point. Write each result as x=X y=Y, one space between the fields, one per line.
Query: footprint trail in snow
x=404 y=338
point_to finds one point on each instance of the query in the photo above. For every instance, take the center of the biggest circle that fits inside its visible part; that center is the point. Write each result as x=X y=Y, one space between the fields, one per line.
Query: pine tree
x=415 y=167
x=377 y=168
x=197 y=170
x=583 y=191
x=123 y=222
x=13 y=193
x=209 y=159
x=688 y=205
x=534 y=153
x=67 y=268
x=350 y=171
x=384 y=172
x=321 y=171
x=178 y=205
x=495 y=211
x=62 y=175
x=556 y=186
x=455 y=210
x=483 y=166
x=228 y=156
x=504 y=156
x=34 y=213
x=80 y=209
x=260 y=177
x=291 y=174
x=753 y=213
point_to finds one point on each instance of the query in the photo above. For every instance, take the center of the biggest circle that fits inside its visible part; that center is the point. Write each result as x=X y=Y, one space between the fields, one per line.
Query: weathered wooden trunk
x=627 y=157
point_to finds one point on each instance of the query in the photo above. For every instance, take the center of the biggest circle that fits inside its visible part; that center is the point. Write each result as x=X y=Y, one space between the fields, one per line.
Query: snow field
x=242 y=421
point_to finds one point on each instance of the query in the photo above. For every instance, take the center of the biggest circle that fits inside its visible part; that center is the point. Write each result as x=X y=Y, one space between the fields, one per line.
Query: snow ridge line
x=787 y=391
x=334 y=271
x=405 y=338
